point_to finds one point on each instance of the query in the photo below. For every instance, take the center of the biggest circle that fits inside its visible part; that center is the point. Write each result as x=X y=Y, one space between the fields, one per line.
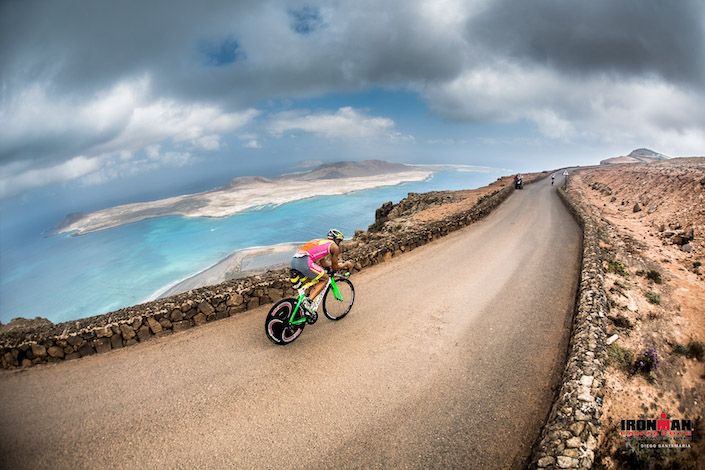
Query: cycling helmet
x=335 y=235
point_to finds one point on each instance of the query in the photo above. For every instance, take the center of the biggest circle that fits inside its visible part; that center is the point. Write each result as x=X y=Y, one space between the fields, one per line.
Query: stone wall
x=128 y=326
x=569 y=437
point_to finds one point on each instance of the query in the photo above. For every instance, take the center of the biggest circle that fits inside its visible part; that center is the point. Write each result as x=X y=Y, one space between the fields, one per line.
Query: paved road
x=446 y=361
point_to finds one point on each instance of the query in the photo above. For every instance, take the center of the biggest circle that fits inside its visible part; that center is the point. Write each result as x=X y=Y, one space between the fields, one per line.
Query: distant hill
x=636 y=156
x=350 y=169
x=247 y=180
x=327 y=171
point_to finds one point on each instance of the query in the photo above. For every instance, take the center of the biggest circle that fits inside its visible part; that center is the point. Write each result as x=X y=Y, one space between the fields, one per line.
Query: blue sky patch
x=306 y=19
x=221 y=52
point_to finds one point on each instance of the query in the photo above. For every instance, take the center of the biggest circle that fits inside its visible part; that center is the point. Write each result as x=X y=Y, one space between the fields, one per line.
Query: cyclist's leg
x=317 y=288
x=322 y=277
x=312 y=271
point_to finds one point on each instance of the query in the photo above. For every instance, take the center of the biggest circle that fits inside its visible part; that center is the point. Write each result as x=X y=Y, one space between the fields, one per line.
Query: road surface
x=447 y=360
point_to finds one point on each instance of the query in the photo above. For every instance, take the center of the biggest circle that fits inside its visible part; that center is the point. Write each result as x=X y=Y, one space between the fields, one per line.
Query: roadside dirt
x=461 y=201
x=653 y=241
x=455 y=202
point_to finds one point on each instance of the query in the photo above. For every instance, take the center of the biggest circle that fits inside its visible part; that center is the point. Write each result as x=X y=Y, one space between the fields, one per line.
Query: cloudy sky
x=99 y=93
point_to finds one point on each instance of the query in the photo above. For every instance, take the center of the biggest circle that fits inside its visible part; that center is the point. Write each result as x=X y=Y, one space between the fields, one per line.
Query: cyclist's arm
x=335 y=262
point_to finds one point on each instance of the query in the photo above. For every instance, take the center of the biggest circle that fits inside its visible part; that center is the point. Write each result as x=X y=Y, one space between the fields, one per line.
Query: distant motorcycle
x=518 y=183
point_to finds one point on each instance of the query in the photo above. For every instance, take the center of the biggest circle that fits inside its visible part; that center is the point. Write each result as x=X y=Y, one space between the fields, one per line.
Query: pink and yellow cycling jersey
x=316 y=249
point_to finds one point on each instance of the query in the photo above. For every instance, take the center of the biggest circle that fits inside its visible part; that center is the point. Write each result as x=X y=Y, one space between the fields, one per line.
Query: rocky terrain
x=421 y=208
x=652 y=237
x=20 y=325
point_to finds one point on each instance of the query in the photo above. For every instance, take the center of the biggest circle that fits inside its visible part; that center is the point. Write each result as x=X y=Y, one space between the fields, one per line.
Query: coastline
x=244 y=194
x=257 y=259
x=243 y=262
x=240 y=263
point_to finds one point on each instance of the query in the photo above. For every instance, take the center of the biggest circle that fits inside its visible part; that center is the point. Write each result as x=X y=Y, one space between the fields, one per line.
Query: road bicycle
x=287 y=318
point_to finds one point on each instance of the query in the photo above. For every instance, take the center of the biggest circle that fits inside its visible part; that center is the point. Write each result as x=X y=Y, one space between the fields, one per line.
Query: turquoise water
x=64 y=277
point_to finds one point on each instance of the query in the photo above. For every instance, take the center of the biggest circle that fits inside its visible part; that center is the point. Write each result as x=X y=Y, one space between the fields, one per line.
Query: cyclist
x=314 y=253
x=553 y=177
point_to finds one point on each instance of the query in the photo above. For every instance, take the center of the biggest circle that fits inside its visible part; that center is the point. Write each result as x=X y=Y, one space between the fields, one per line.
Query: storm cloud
x=627 y=38
x=89 y=87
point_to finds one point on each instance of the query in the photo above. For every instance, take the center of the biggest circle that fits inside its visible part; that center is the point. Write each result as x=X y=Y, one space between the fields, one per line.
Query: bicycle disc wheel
x=276 y=325
x=336 y=309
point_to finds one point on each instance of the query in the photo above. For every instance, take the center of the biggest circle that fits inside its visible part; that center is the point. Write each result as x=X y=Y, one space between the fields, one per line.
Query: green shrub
x=646 y=363
x=653 y=297
x=620 y=321
x=697 y=350
x=617 y=267
x=620 y=357
x=633 y=455
x=693 y=350
x=654 y=276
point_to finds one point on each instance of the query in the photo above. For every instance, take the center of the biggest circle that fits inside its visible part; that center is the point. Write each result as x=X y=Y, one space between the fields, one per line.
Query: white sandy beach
x=238 y=264
x=241 y=195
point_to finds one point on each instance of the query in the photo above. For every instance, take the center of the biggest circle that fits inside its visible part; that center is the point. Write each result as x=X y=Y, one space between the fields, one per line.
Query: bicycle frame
x=302 y=295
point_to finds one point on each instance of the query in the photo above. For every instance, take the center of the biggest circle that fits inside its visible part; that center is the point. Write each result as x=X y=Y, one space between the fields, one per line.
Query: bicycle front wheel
x=334 y=308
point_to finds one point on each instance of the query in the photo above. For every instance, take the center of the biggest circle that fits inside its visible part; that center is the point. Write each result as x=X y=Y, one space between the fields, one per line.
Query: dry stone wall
x=569 y=437
x=129 y=326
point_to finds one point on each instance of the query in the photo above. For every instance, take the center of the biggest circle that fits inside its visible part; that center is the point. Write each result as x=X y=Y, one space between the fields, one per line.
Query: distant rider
x=553 y=177
x=314 y=253
x=518 y=181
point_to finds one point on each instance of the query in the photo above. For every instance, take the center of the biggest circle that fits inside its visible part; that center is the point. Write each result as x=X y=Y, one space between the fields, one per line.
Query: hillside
x=641 y=155
x=653 y=249
x=351 y=169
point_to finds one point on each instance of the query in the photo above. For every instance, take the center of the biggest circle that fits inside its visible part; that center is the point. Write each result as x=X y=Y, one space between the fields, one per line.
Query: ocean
x=63 y=277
